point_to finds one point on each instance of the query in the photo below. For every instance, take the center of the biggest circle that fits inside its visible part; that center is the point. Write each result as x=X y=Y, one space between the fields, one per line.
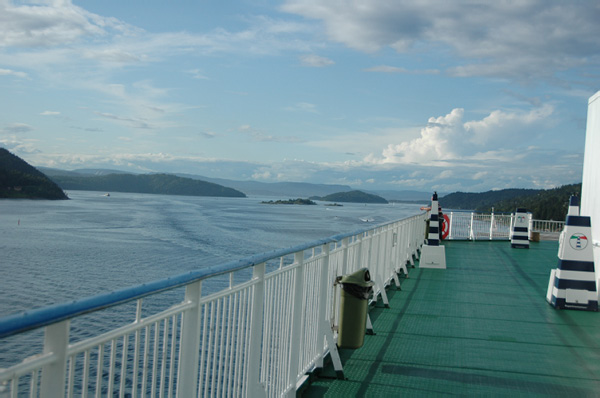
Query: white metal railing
x=547 y=226
x=492 y=226
x=274 y=320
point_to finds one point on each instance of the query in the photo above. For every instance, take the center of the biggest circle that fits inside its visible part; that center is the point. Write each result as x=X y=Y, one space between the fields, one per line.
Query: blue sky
x=462 y=95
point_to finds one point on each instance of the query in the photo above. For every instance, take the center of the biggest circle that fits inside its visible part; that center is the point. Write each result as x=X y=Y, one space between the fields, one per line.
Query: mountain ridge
x=20 y=180
x=166 y=184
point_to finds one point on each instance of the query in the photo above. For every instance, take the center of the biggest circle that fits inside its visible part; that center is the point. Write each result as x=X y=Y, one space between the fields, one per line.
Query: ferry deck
x=481 y=327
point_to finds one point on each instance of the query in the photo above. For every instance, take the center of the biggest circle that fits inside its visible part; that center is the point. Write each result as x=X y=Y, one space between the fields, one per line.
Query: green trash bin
x=357 y=287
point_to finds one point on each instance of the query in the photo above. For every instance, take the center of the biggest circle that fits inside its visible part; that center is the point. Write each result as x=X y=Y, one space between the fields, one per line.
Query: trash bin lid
x=362 y=277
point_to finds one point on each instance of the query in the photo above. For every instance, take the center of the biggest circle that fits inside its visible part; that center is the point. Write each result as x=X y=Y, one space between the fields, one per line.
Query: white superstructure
x=590 y=190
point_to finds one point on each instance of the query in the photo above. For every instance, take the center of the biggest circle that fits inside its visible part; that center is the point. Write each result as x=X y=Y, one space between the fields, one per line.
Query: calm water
x=55 y=251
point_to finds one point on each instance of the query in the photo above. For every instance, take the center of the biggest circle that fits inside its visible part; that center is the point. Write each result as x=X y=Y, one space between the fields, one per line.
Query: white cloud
x=8 y=72
x=315 y=61
x=396 y=69
x=50 y=113
x=525 y=39
x=197 y=74
x=502 y=135
x=44 y=25
x=446 y=174
x=480 y=175
x=16 y=128
x=265 y=175
x=303 y=107
x=260 y=136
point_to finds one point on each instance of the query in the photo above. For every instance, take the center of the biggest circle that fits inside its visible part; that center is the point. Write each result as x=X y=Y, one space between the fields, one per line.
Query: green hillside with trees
x=20 y=180
x=549 y=204
x=165 y=184
x=483 y=200
x=352 y=197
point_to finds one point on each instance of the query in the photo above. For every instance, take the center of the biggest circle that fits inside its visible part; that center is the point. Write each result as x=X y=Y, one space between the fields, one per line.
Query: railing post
x=297 y=329
x=530 y=225
x=323 y=322
x=344 y=256
x=492 y=226
x=450 y=225
x=358 y=257
x=189 y=348
x=254 y=386
x=56 y=340
x=471 y=233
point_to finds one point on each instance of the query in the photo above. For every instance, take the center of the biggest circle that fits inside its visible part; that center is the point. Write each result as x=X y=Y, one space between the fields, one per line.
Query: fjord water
x=58 y=251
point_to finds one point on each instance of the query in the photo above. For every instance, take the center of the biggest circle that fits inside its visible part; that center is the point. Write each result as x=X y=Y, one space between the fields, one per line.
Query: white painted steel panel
x=590 y=190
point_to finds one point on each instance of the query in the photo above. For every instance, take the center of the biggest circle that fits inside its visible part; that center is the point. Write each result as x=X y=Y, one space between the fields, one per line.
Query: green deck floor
x=481 y=327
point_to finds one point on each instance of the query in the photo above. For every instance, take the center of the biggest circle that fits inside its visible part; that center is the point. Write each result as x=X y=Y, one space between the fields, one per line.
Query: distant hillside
x=165 y=184
x=484 y=200
x=353 y=197
x=403 y=196
x=289 y=189
x=18 y=179
x=298 y=201
x=550 y=204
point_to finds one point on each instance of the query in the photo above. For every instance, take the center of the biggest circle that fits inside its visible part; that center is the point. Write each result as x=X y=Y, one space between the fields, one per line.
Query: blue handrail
x=32 y=319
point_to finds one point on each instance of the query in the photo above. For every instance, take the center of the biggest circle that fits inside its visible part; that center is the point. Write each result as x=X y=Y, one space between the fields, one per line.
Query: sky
x=379 y=95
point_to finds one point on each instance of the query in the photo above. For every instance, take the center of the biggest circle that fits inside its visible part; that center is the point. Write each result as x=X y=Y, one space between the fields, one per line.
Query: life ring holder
x=446 y=227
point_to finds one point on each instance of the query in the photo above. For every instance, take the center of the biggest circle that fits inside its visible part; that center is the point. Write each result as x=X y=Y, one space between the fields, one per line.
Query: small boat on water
x=106 y=194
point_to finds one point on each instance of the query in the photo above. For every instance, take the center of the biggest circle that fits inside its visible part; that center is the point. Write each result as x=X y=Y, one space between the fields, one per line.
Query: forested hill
x=20 y=180
x=352 y=197
x=483 y=200
x=549 y=204
x=165 y=184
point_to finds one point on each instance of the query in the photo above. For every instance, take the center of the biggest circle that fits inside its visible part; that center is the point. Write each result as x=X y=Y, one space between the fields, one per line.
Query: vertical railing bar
x=296 y=325
x=163 y=365
x=203 y=348
x=243 y=366
x=273 y=328
x=146 y=355
x=235 y=321
x=256 y=333
x=215 y=349
x=71 y=377
x=34 y=383
x=56 y=340
x=268 y=326
x=136 y=350
x=14 y=387
x=284 y=316
x=111 y=367
x=222 y=335
x=124 y=361
x=155 y=359
x=100 y=365
x=174 y=339
x=209 y=354
x=189 y=342
x=278 y=300
x=86 y=374
x=240 y=358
